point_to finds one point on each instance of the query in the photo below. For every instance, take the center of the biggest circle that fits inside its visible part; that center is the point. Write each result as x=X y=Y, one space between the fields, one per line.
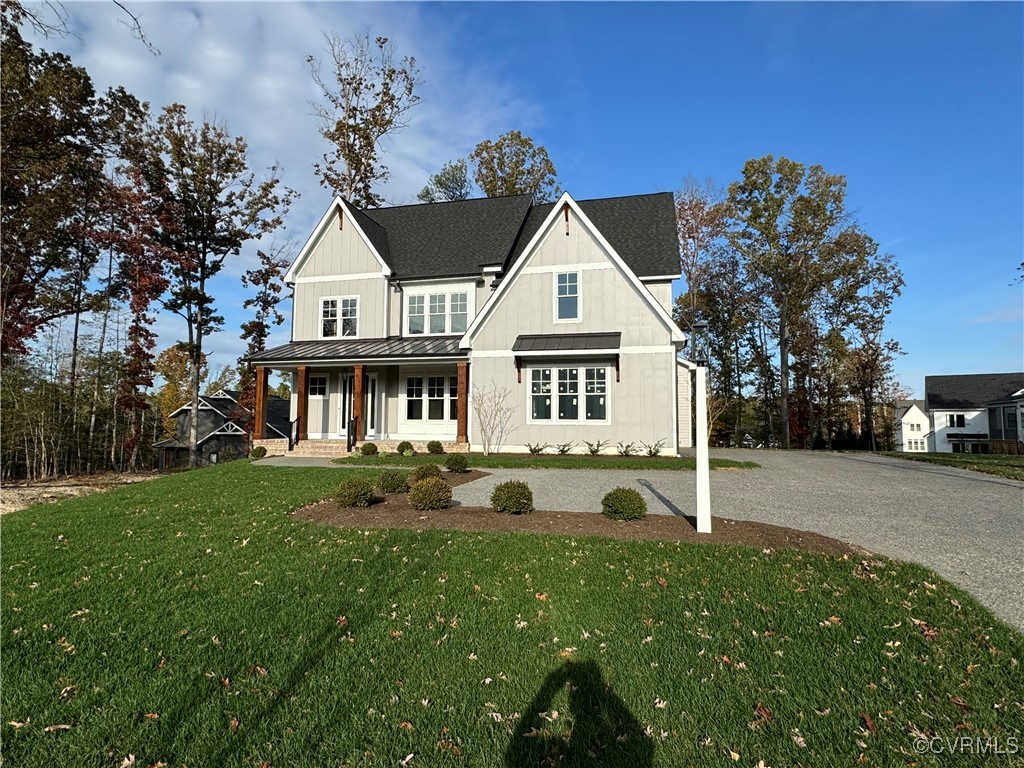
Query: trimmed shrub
x=424 y=471
x=258 y=452
x=408 y=452
x=432 y=493
x=404 y=446
x=457 y=462
x=624 y=504
x=513 y=497
x=435 y=447
x=393 y=481
x=368 y=449
x=354 y=492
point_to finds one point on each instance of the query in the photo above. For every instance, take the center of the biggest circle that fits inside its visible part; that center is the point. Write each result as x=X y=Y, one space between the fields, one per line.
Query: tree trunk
x=99 y=371
x=784 y=374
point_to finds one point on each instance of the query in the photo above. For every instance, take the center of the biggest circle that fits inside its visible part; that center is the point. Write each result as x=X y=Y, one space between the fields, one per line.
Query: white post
x=703 y=470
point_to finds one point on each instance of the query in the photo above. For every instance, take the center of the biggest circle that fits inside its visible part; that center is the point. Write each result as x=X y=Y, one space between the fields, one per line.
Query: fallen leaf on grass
x=959 y=702
x=662 y=583
x=798 y=738
x=18 y=724
x=869 y=724
x=128 y=762
x=407 y=759
x=762 y=715
x=57 y=727
x=235 y=722
x=406 y=724
x=542 y=596
x=734 y=755
x=660 y=703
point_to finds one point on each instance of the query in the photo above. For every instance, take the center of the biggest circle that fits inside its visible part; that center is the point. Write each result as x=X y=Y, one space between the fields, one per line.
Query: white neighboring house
x=913 y=428
x=959 y=412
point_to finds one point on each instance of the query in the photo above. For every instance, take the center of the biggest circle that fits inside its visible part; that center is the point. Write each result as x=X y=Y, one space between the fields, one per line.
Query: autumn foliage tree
x=210 y=205
x=366 y=94
x=514 y=165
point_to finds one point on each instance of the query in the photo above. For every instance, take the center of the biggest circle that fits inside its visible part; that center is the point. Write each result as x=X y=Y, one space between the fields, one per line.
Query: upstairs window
x=339 y=314
x=567 y=296
x=438 y=313
x=955 y=420
x=415 y=315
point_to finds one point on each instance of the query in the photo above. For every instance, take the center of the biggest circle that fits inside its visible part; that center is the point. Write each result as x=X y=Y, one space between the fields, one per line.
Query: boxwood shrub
x=513 y=497
x=404 y=446
x=424 y=471
x=457 y=462
x=435 y=447
x=258 y=452
x=624 y=504
x=431 y=493
x=368 y=449
x=393 y=481
x=354 y=492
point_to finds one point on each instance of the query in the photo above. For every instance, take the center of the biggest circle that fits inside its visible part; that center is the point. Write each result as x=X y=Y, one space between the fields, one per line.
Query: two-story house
x=958 y=407
x=403 y=319
x=912 y=428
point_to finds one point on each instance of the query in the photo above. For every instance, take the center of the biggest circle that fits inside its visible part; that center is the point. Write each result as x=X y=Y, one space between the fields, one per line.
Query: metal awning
x=391 y=349
x=585 y=343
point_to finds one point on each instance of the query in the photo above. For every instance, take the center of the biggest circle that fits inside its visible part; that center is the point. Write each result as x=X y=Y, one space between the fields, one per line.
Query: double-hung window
x=567 y=296
x=414 y=398
x=438 y=313
x=435 y=398
x=567 y=395
x=339 y=314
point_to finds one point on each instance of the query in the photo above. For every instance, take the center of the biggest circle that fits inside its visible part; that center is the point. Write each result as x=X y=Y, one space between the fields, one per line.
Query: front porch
x=337 y=404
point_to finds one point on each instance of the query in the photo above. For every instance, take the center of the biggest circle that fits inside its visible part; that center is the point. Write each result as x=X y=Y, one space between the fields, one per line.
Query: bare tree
x=366 y=97
x=493 y=416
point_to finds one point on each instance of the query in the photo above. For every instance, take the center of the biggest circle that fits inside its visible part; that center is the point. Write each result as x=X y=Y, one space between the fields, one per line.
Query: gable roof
x=459 y=238
x=971 y=390
x=517 y=266
x=903 y=407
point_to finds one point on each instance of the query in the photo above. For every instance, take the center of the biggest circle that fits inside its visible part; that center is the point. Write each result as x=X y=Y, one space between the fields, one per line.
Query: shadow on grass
x=669 y=505
x=603 y=730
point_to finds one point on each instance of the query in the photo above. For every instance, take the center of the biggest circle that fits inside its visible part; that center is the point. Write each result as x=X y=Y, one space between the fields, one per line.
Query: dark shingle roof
x=970 y=391
x=641 y=229
x=450 y=239
x=902 y=406
x=566 y=342
x=361 y=349
x=458 y=238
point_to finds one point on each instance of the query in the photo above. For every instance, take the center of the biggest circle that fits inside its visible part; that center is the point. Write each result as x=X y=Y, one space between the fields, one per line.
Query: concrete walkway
x=967 y=526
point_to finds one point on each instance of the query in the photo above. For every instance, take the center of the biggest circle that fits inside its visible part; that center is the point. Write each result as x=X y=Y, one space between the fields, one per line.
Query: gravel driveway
x=967 y=526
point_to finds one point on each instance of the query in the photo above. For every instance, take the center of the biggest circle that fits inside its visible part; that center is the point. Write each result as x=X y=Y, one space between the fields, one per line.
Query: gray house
x=419 y=322
x=223 y=429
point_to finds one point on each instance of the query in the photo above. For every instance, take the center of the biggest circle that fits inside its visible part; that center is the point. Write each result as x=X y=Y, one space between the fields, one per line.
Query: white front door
x=371 y=405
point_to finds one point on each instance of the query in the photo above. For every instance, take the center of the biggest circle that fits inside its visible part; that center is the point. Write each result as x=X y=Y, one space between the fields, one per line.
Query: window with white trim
x=414 y=398
x=438 y=314
x=567 y=394
x=334 y=309
x=318 y=386
x=453 y=398
x=955 y=420
x=435 y=398
x=567 y=296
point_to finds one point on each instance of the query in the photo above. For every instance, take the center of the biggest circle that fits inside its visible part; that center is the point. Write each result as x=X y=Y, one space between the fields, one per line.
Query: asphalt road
x=966 y=526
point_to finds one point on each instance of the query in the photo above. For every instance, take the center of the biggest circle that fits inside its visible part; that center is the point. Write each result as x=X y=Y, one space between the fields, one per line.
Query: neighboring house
x=1005 y=420
x=223 y=428
x=958 y=407
x=403 y=318
x=912 y=428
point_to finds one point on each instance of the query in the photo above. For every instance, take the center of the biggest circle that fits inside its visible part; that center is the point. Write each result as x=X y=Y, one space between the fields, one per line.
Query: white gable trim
x=517 y=270
x=343 y=209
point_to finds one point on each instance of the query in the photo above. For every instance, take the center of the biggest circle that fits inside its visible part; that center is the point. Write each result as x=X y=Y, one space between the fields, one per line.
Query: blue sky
x=919 y=105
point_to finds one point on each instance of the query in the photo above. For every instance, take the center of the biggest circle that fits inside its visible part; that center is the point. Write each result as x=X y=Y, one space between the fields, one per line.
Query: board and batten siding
x=662 y=291
x=306 y=320
x=608 y=301
x=339 y=252
x=684 y=395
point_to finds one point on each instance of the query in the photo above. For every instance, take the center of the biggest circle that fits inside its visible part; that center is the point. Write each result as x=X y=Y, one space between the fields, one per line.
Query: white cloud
x=245 y=63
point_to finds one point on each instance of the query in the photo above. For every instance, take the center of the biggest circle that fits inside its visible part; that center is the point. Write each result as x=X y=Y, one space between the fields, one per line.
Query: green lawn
x=190 y=621
x=545 y=461
x=991 y=464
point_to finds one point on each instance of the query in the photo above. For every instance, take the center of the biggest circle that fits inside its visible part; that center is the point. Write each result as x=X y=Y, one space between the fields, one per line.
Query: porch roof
x=391 y=349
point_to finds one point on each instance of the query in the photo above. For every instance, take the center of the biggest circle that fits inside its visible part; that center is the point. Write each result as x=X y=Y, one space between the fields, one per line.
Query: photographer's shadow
x=604 y=731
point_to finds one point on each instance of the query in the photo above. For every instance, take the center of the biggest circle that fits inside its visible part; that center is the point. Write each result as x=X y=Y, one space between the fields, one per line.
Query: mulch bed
x=394 y=511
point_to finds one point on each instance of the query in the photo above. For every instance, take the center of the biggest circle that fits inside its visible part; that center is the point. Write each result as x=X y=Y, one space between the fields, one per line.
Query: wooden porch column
x=357 y=401
x=302 y=395
x=462 y=405
x=262 y=380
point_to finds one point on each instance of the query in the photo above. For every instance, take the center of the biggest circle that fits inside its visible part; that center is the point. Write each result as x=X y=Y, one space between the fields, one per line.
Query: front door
x=371 y=405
